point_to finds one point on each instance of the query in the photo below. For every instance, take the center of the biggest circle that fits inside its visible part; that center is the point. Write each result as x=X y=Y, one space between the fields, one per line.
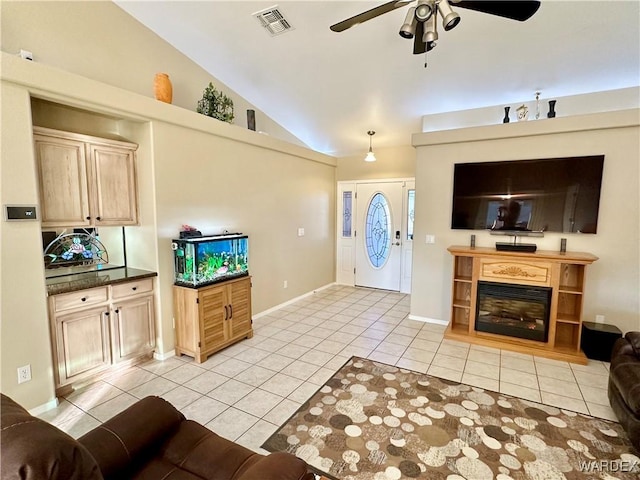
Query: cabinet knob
x=117 y=310
x=88 y=218
x=134 y=288
x=106 y=314
x=98 y=218
x=83 y=299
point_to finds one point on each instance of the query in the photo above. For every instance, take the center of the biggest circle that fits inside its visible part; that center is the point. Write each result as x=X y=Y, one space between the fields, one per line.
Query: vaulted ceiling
x=329 y=89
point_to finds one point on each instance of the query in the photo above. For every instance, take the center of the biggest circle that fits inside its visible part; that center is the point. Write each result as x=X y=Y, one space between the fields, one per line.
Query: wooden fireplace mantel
x=564 y=273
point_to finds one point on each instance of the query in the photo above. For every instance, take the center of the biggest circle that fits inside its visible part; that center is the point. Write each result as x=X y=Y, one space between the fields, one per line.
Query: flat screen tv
x=528 y=196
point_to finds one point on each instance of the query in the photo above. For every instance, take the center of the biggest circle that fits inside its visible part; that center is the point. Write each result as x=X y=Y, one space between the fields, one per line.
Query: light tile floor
x=248 y=390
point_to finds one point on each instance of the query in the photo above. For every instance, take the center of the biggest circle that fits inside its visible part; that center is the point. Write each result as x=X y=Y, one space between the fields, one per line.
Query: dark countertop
x=81 y=281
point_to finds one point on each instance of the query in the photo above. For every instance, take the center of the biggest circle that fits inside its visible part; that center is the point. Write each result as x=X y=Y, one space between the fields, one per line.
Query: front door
x=379 y=235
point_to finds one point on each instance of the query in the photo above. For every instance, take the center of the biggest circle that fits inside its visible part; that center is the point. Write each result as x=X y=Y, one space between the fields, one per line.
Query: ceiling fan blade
x=419 y=46
x=368 y=15
x=515 y=10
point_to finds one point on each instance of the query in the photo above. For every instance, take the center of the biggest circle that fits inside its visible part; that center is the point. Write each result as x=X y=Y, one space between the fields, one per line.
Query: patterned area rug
x=373 y=421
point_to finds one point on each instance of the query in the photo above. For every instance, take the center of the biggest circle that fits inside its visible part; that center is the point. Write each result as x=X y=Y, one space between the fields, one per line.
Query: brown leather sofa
x=150 y=440
x=624 y=384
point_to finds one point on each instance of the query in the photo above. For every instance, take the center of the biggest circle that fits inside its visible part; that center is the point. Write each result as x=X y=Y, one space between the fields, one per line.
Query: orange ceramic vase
x=162 y=88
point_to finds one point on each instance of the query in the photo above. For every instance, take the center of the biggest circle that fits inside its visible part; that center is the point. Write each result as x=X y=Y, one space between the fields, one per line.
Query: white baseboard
x=437 y=321
x=165 y=355
x=44 y=407
x=293 y=300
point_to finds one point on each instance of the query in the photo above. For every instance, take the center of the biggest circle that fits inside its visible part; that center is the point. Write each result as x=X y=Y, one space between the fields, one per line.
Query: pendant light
x=370 y=156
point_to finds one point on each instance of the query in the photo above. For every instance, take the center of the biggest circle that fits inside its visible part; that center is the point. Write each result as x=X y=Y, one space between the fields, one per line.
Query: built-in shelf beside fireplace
x=559 y=276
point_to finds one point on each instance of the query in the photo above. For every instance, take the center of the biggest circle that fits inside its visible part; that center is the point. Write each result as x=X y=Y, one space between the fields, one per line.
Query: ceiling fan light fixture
x=370 y=155
x=408 y=29
x=424 y=10
x=449 y=18
x=430 y=32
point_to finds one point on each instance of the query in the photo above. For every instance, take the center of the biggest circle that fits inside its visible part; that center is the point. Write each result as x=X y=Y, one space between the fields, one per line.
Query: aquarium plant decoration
x=216 y=104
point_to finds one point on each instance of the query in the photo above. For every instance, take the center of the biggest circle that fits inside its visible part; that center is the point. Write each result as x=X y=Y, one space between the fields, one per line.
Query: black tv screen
x=547 y=195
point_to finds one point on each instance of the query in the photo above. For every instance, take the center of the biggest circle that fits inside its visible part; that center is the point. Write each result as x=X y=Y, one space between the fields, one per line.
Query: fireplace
x=514 y=310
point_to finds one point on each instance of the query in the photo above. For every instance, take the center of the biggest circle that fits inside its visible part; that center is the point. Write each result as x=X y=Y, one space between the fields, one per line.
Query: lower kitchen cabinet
x=133 y=328
x=82 y=343
x=96 y=330
x=210 y=318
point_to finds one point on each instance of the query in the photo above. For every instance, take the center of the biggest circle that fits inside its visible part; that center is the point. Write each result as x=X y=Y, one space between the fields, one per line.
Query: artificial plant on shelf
x=216 y=104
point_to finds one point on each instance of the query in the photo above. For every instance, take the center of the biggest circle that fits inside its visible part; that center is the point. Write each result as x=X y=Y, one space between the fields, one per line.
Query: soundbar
x=516 y=247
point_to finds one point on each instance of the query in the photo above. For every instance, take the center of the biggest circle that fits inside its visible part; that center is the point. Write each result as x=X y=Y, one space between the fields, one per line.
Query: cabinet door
x=63 y=182
x=113 y=189
x=240 y=307
x=82 y=344
x=186 y=313
x=213 y=316
x=133 y=328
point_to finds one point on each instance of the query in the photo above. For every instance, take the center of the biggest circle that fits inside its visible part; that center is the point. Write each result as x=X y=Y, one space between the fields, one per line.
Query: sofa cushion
x=33 y=449
x=195 y=452
x=133 y=436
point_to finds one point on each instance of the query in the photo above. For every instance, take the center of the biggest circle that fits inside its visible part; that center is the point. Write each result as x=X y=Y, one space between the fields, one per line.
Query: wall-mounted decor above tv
x=526 y=196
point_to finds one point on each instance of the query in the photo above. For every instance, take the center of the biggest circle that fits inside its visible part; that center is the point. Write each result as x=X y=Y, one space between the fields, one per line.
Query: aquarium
x=205 y=260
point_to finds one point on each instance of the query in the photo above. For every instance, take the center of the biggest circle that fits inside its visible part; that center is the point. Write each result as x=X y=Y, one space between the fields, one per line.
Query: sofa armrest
x=629 y=345
x=634 y=339
x=126 y=439
x=32 y=449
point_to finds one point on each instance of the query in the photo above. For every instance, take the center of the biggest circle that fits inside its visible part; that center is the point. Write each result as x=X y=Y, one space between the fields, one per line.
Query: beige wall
x=216 y=183
x=23 y=317
x=613 y=282
x=99 y=40
x=391 y=162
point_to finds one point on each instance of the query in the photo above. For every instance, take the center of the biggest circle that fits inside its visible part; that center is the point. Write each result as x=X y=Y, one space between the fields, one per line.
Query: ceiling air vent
x=273 y=21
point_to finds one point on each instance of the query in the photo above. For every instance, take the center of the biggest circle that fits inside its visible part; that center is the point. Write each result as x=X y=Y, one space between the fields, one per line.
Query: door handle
x=226 y=313
x=231 y=310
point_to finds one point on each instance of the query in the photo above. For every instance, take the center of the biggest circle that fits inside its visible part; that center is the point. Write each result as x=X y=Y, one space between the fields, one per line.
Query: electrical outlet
x=285 y=285
x=599 y=318
x=301 y=232
x=24 y=374
x=430 y=239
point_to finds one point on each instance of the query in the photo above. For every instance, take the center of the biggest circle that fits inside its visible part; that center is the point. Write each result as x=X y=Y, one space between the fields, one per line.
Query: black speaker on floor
x=597 y=340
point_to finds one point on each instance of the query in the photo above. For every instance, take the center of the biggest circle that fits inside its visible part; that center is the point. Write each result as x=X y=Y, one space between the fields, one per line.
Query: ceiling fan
x=420 y=22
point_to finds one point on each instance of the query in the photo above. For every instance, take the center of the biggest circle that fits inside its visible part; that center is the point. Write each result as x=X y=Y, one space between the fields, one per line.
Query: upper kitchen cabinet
x=85 y=181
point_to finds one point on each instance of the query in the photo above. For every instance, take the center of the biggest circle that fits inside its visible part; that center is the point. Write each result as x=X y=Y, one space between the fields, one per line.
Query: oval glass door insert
x=377 y=230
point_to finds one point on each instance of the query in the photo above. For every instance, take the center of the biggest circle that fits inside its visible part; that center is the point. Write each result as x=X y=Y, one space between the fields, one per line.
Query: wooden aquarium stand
x=212 y=317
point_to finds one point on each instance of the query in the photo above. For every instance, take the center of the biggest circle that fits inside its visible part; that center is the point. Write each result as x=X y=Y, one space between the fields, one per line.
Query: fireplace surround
x=557 y=277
